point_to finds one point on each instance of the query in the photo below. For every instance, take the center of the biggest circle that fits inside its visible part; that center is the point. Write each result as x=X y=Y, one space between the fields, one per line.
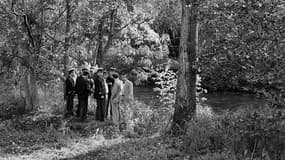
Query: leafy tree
x=168 y=22
x=27 y=44
x=242 y=44
x=237 y=48
x=42 y=38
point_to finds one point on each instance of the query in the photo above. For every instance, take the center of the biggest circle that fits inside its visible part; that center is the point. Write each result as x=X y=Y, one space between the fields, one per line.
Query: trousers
x=100 y=110
x=69 y=104
x=115 y=112
x=82 y=108
x=108 y=106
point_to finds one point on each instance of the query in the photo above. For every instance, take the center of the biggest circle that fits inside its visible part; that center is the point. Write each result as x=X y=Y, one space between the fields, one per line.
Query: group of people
x=108 y=88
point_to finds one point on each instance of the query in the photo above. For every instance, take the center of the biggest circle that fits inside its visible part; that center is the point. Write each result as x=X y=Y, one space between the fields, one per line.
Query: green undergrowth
x=245 y=134
x=46 y=135
x=33 y=137
x=248 y=134
x=251 y=134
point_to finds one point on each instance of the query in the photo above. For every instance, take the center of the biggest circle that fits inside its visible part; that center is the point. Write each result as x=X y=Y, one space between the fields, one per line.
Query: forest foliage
x=241 y=48
x=241 y=42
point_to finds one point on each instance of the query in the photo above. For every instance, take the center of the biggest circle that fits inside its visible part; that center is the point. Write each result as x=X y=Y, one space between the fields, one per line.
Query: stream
x=218 y=102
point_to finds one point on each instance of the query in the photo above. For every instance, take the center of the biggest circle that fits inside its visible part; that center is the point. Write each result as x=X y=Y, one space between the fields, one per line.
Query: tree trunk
x=66 y=40
x=98 y=55
x=101 y=51
x=29 y=82
x=29 y=90
x=185 y=102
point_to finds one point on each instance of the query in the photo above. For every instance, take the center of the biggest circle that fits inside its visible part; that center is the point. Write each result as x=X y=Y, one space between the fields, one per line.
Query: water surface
x=218 y=102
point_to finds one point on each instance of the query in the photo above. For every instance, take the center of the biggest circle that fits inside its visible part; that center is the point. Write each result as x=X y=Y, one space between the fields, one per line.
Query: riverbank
x=230 y=136
x=47 y=135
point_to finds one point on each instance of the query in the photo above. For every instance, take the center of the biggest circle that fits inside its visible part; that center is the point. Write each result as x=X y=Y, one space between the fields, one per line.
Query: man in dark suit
x=69 y=91
x=83 y=90
x=100 y=94
x=110 y=81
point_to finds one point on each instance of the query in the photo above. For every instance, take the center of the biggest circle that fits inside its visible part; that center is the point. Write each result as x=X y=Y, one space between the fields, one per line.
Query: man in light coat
x=115 y=99
x=126 y=98
x=128 y=90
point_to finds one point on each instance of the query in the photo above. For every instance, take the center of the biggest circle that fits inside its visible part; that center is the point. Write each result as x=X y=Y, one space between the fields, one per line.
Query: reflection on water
x=146 y=94
x=218 y=102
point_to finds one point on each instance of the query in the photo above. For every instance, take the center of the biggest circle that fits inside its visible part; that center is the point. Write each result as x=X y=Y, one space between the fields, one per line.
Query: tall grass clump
x=143 y=118
x=51 y=97
x=245 y=134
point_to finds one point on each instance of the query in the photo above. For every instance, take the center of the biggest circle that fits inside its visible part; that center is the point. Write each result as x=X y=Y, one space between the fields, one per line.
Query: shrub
x=51 y=97
x=12 y=104
x=256 y=132
x=248 y=133
x=204 y=135
x=144 y=118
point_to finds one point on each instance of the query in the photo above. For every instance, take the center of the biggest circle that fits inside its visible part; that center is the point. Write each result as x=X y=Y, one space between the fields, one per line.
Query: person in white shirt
x=127 y=97
x=107 y=108
x=128 y=90
x=115 y=99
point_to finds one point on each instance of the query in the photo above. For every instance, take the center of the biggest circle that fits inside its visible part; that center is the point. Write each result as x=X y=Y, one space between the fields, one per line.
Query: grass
x=74 y=147
x=45 y=134
x=52 y=137
x=209 y=137
x=39 y=137
x=155 y=148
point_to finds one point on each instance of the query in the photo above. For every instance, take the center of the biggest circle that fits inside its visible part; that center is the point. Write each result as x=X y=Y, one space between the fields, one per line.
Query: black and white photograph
x=142 y=79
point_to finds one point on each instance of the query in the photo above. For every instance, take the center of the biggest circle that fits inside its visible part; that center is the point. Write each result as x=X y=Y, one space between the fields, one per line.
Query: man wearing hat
x=100 y=94
x=70 y=91
x=110 y=81
x=83 y=90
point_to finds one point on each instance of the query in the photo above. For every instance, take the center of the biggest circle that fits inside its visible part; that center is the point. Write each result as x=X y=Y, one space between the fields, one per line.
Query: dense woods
x=183 y=49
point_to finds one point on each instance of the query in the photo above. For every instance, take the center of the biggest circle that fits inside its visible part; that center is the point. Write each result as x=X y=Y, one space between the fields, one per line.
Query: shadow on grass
x=31 y=133
x=145 y=148
x=96 y=154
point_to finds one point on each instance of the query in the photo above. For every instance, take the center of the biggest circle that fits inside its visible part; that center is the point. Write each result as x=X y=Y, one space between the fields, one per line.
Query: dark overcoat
x=99 y=88
x=82 y=87
x=69 y=86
